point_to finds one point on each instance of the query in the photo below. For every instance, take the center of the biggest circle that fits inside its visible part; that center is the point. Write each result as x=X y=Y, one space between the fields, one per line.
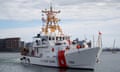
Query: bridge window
x=53 y=38
x=63 y=38
x=60 y=38
x=56 y=38
x=37 y=42
x=58 y=43
x=49 y=38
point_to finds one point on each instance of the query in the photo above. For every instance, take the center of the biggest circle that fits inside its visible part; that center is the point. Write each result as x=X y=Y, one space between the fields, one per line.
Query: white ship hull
x=78 y=58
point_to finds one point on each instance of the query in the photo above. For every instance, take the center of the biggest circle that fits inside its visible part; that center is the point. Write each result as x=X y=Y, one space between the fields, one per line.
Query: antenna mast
x=51 y=21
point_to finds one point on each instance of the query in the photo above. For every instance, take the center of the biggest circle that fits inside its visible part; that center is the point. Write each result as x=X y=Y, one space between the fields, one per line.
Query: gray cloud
x=74 y=2
x=74 y=9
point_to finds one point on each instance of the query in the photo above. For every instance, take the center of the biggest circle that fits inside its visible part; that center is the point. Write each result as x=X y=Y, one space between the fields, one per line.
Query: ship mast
x=51 y=22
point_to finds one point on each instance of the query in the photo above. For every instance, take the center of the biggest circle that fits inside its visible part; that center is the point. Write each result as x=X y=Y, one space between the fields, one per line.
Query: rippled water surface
x=9 y=62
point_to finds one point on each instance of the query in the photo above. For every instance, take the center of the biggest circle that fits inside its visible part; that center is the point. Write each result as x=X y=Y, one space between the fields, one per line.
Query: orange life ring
x=78 y=46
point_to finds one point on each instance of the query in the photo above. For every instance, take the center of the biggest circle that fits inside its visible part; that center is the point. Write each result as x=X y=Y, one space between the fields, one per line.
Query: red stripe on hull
x=61 y=59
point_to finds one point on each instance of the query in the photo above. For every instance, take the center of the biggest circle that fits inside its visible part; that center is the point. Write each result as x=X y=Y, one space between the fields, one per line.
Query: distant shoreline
x=9 y=49
x=111 y=49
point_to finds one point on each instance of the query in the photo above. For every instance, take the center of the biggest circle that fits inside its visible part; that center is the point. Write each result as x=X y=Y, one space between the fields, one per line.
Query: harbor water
x=9 y=62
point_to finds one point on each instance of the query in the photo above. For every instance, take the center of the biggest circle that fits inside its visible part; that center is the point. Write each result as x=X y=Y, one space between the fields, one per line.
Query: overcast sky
x=79 y=18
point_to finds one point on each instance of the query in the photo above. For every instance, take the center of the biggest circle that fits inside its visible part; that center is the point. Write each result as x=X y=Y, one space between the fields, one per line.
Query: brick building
x=2 y=44
x=10 y=44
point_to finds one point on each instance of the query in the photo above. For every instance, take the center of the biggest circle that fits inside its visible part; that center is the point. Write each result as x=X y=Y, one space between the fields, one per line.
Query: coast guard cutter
x=51 y=47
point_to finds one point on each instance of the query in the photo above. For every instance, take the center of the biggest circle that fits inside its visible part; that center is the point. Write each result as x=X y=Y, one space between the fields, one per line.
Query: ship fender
x=61 y=59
